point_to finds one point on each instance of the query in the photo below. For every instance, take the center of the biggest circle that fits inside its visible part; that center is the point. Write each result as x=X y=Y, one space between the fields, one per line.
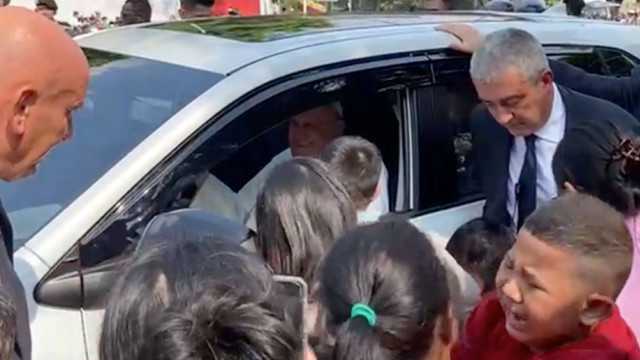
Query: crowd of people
x=550 y=271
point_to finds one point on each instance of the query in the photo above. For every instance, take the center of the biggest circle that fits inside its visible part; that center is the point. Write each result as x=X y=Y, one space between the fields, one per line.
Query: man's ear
x=547 y=78
x=597 y=308
x=21 y=110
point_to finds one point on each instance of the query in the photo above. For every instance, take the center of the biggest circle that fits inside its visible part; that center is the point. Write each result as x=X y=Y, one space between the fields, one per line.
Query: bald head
x=45 y=76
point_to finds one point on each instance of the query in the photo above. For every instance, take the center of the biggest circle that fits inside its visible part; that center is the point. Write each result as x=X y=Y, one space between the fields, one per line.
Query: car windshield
x=128 y=98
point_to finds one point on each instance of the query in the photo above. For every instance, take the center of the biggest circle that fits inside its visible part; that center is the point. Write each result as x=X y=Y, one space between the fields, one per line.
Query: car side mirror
x=74 y=291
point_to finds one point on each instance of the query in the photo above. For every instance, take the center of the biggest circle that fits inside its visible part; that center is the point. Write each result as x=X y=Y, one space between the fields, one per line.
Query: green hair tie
x=365 y=311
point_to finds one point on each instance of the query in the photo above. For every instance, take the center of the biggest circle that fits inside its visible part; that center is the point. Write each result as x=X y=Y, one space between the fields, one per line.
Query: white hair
x=509 y=48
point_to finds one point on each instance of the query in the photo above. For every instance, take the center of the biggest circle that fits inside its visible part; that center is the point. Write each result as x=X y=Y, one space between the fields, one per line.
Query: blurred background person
x=48 y=8
x=5 y=2
x=135 y=12
x=190 y=9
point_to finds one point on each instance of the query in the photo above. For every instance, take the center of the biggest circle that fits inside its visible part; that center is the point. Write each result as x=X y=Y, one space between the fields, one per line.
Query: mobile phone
x=294 y=293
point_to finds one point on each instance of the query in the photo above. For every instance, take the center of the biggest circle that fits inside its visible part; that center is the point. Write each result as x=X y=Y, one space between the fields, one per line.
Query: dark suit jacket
x=622 y=91
x=492 y=145
x=11 y=284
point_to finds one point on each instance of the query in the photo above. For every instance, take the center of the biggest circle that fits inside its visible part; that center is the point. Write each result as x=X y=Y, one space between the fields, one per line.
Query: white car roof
x=225 y=45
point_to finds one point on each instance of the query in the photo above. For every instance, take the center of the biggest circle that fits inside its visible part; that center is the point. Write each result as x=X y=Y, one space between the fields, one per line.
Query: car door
x=233 y=147
x=448 y=193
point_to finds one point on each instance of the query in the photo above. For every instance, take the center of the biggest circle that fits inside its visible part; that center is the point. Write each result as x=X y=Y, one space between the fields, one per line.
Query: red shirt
x=486 y=338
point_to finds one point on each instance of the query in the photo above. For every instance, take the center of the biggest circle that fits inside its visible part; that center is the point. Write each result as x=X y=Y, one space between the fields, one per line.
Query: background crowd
x=550 y=271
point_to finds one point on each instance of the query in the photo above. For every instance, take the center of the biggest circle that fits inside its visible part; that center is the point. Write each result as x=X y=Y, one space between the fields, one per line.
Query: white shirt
x=217 y=197
x=380 y=204
x=548 y=138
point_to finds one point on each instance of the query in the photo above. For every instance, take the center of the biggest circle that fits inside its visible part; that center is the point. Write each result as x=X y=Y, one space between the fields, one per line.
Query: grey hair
x=509 y=48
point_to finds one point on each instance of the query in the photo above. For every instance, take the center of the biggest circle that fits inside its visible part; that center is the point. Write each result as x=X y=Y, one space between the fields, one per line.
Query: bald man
x=44 y=79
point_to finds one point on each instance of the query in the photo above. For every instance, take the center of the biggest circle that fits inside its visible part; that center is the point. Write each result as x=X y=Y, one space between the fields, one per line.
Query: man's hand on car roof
x=470 y=38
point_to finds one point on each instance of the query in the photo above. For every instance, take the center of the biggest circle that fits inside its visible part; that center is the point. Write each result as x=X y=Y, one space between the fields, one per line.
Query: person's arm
x=622 y=91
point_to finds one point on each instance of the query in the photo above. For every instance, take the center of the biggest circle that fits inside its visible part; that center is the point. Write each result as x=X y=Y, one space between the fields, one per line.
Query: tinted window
x=128 y=98
x=601 y=61
x=444 y=137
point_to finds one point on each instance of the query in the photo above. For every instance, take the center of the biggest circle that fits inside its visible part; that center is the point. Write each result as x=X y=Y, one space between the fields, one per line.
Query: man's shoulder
x=585 y=107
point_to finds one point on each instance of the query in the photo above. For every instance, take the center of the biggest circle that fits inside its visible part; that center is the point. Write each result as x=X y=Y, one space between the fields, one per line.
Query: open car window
x=128 y=98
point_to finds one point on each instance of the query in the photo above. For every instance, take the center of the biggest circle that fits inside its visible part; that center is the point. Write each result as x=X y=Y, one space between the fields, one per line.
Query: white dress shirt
x=548 y=138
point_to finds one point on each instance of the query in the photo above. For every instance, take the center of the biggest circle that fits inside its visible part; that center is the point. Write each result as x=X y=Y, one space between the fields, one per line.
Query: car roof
x=224 y=45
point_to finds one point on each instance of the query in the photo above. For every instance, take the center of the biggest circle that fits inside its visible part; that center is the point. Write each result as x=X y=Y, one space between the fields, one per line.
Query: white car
x=169 y=102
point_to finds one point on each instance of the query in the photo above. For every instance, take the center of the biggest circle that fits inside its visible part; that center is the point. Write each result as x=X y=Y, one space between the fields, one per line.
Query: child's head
x=384 y=295
x=357 y=163
x=7 y=325
x=564 y=272
x=479 y=247
x=301 y=211
x=197 y=300
x=601 y=159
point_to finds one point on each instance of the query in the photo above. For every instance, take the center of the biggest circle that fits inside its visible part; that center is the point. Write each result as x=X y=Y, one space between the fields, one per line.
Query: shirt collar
x=553 y=130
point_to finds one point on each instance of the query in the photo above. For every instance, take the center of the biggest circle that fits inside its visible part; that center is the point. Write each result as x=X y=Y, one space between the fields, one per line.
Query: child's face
x=541 y=293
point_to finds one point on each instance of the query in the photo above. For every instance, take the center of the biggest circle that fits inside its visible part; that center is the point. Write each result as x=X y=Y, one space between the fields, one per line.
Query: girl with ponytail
x=602 y=159
x=383 y=296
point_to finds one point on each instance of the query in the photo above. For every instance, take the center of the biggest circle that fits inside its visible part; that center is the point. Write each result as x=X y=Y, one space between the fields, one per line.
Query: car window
x=248 y=144
x=601 y=61
x=128 y=98
x=444 y=137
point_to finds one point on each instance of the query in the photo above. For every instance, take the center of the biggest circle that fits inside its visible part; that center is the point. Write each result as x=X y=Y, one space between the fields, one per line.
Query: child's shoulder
x=485 y=336
x=488 y=315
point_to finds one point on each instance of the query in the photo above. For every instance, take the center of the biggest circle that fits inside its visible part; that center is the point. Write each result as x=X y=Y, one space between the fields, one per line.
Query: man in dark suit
x=45 y=77
x=623 y=91
x=525 y=116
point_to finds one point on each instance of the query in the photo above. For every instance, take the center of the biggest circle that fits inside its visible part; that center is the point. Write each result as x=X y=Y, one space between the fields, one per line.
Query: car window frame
x=235 y=110
x=218 y=122
x=560 y=49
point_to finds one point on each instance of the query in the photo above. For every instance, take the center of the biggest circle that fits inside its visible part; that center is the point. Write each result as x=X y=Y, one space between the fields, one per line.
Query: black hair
x=196 y=300
x=357 y=163
x=593 y=232
x=8 y=326
x=392 y=268
x=142 y=9
x=597 y=157
x=479 y=247
x=192 y=3
x=300 y=212
x=49 y=4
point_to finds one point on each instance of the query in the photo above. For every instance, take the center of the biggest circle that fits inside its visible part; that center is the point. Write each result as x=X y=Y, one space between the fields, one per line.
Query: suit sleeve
x=622 y=91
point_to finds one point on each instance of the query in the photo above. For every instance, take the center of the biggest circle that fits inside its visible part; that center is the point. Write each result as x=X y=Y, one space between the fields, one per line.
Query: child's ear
x=569 y=188
x=598 y=307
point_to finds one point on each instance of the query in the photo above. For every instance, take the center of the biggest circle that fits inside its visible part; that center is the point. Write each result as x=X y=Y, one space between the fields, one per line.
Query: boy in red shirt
x=556 y=289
